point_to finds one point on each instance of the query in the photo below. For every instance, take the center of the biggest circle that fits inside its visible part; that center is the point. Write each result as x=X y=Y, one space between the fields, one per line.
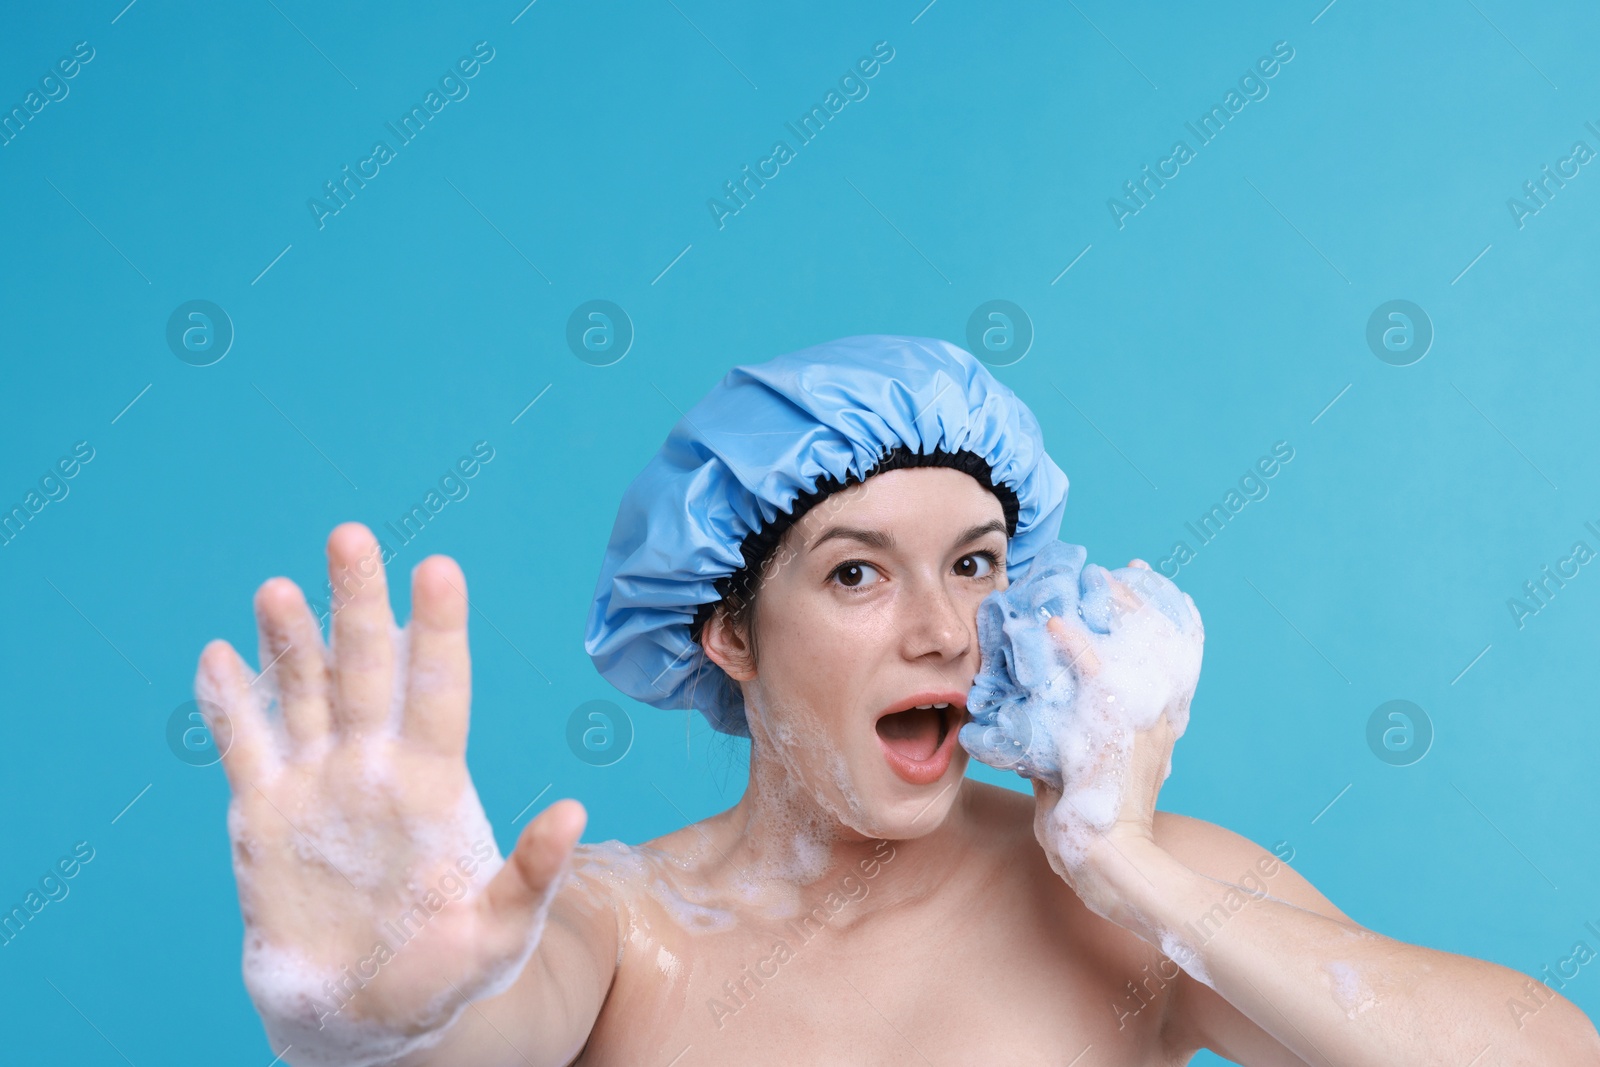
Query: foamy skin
x=1179 y=951
x=387 y=876
x=1037 y=713
x=628 y=870
x=1349 y=991
x=288 y=990
x=807 y=796
x=310 y=1004
x=805 y=804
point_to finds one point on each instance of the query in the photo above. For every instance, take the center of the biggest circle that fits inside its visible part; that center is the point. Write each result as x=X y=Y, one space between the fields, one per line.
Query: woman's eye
x=975 y=565
x=854 y=574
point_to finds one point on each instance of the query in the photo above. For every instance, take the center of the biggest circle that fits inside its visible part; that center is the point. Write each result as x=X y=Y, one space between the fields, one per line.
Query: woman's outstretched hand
x=1135 y=681
x=376 y=903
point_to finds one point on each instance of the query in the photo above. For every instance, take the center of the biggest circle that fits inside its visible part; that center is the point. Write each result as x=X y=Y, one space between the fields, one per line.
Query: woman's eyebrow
x=975 y=532
x=876 y=538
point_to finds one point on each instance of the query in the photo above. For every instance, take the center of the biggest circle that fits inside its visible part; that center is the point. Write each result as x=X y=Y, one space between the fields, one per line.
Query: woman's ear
x=727 y=645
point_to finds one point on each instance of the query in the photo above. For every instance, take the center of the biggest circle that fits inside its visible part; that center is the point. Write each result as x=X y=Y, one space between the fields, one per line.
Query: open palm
x=376 y=903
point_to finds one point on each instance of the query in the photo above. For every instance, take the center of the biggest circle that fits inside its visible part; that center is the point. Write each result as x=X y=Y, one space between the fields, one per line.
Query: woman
x=804 y=562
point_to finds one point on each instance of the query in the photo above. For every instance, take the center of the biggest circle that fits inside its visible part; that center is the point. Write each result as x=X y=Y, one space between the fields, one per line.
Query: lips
x=918 y=734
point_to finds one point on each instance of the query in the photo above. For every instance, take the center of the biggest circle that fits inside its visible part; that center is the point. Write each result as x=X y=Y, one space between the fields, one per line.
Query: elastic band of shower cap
x=766 y=443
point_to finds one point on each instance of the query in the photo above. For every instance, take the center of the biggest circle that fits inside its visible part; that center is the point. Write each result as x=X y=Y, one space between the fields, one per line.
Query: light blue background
x=1224 y=317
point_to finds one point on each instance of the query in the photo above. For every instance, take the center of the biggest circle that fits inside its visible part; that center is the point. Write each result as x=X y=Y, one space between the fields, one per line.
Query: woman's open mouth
x=918 y=735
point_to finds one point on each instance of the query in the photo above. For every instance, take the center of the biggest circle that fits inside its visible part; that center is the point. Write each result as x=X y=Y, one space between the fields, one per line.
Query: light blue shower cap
x=763 y=438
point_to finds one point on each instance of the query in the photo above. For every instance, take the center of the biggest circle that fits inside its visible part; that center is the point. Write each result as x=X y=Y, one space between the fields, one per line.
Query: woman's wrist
x=1140 y=886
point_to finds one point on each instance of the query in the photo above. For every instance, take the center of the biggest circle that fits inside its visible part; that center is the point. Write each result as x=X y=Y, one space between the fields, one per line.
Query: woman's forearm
x=1331 y=991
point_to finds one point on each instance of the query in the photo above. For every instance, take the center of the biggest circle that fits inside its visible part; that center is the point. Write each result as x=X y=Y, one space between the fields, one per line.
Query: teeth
x=941 y=705
x=924 y=707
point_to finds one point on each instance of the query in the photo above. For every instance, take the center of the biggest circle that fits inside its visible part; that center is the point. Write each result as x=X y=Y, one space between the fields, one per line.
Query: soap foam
x=1352 y=994
x=806 y=794
x=629 y=870
x=308 y=1002
x=1180 y=952
x=698 y=887
x=1048 y=719
x=294 y=996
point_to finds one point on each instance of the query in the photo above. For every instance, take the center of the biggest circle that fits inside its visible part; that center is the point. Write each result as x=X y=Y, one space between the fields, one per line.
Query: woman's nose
x=933 y=621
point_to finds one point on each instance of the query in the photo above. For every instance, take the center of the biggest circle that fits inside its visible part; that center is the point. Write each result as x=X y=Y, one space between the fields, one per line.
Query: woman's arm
x=1277 y=975
x=544 y=1019
x=1289 y=978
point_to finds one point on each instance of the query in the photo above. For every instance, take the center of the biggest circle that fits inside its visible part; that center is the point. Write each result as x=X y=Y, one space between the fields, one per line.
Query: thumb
x=524 y=885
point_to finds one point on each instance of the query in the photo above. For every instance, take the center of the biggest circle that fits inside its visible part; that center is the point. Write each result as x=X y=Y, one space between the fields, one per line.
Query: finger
x=363 y=646
x=293 y=652
x=235 y=716
x=439 y=686
x=1045 y=795
x=1139 y=563
x=524 y=884
x=1075 y=642
x=1125 y=601
x=1096 y=605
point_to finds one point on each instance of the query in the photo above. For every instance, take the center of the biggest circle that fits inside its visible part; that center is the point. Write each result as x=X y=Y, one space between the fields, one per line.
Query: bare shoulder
x=693 y=841
x=1217 y=852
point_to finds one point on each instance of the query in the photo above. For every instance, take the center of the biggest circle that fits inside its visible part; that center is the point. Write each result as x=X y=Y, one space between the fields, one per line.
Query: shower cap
x=766 y=443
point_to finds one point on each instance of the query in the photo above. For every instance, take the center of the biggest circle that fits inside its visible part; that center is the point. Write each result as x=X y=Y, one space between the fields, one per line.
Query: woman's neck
x=786 y=842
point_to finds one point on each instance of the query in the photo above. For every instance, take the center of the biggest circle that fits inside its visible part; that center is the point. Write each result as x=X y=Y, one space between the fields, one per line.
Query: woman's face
x=868 y=608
